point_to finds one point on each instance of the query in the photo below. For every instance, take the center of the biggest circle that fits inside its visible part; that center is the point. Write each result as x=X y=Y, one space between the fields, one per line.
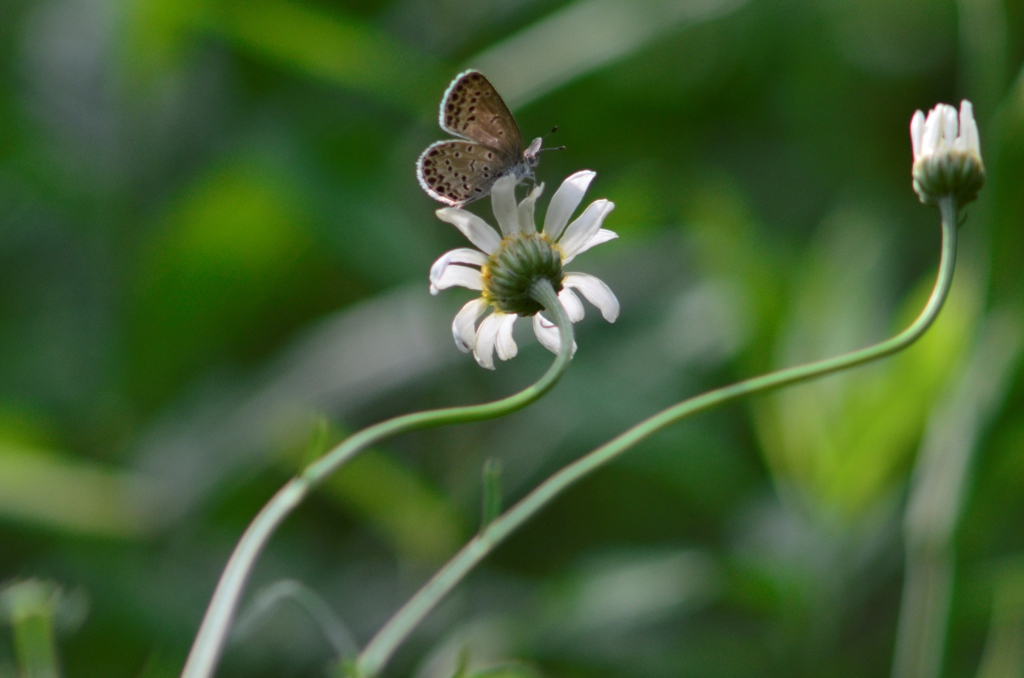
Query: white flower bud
x=947 y=154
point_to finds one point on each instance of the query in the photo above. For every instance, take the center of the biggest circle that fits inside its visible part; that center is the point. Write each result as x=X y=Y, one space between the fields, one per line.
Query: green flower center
x=511 y=271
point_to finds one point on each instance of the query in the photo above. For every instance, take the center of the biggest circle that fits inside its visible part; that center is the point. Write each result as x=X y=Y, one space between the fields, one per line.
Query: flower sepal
x=959 y=175
x=510 y=272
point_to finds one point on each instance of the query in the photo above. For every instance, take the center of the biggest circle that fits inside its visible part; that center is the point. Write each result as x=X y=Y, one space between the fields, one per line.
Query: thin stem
x=209 y=642
x=267 y=601
x=379 y=650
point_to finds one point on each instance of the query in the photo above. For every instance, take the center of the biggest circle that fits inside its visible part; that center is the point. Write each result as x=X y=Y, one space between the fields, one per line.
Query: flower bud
x=947 y=154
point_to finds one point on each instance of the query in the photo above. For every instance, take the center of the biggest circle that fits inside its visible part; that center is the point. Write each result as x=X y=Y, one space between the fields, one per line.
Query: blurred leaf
x=159 y=665
x=639 y=209
x=1004 y=648
x=842 y=440
x=333 y=47
x=943 y=470
x=506 y=672
x=729 y=245
x=984 y=41
x=157 y=34
x=942 y=474
x=1005 y=160
x=25 y=428
x=233 y=260
x=301 y=36
x=893 y=38
x=71 y=495
x=420 y=524
x=990 y=526
x=623 y=591
x=583 y=37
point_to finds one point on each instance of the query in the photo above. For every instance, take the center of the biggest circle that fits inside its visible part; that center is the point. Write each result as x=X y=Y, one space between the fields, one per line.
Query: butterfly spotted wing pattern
x=473 y=109
x=456 y=172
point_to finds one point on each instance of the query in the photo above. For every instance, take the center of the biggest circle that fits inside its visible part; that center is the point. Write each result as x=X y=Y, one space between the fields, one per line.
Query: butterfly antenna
x=555 y=148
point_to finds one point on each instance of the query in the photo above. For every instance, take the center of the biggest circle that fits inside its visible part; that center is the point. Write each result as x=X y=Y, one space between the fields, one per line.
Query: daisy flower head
x=947 y=154
x=505 y=266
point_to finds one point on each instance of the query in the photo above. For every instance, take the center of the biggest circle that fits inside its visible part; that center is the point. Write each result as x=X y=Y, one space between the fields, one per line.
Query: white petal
x=596 y=292
x=473 y=227
x=503 y=202
x=572 y=304
x=464 y=325
x=916 y=131
x=526 y=207
x=548 y=334
x=506 y=345
x=601 y=237
x=966 y=114
x=969 y=128
x=932 y=130
x=462 y=276
x=462 y=255
x=485 y=337
x=949 y=123
x=583 y=229
x=564 y=202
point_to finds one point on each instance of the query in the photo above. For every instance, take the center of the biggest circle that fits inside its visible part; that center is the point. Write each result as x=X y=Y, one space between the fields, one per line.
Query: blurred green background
x=213 y=263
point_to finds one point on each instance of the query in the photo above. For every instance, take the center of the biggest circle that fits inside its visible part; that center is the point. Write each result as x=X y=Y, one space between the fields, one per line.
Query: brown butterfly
x=459 y=171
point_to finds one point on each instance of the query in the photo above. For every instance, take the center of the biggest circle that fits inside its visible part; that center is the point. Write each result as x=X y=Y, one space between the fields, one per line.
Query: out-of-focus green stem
x=209 y=642
x=382 y=646
x=924 y=611
x=30 y=606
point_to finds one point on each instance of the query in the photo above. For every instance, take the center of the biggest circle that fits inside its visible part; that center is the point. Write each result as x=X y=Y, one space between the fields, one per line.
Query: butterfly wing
x=473 y=109
x=457 y=172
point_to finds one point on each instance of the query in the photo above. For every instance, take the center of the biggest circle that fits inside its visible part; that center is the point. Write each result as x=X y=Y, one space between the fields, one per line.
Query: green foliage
x=420 y=523
x=845 y=440
x=210 y=229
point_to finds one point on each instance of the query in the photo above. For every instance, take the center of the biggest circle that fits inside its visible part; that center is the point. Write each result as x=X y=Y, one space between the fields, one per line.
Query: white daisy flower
x=947 y=154
x=504 y=267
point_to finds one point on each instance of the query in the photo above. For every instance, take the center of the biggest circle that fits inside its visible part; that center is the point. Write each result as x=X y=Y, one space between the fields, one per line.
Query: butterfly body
x=459 y=171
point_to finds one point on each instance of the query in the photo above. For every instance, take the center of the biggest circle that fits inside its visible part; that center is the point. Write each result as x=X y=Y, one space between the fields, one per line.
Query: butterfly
x=459 y=171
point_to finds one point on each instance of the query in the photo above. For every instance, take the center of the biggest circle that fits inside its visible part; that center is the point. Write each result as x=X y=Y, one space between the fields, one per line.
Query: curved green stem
x=207 y=646
x=387 y=640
